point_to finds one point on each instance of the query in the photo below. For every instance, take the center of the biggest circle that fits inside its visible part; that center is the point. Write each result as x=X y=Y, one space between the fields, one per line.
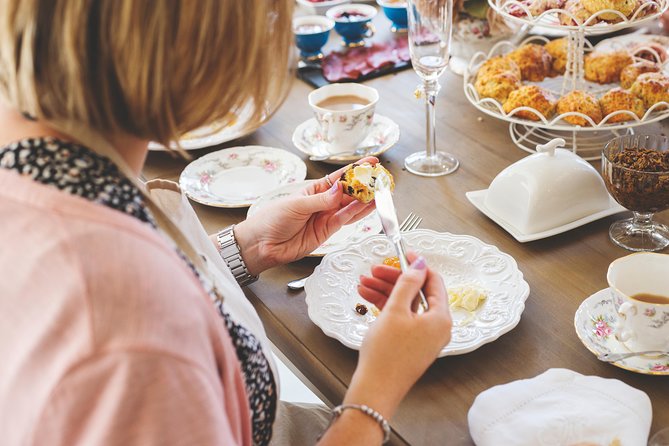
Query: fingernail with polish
x=334 y=188
x=419 y=263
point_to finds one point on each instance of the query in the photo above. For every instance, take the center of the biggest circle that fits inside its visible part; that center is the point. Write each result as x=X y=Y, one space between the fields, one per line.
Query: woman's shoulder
x=130 y=281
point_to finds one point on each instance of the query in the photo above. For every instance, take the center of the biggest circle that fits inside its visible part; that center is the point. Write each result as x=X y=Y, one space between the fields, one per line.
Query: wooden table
x=561 y=271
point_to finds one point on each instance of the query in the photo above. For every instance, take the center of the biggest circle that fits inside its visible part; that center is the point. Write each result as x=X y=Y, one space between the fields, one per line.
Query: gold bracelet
x=337 y=411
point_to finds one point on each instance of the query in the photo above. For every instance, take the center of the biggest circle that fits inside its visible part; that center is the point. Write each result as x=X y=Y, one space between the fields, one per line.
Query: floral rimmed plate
x=383 y=134
x=460 y=259
x=348 y=234
x=213 y=135
x=595 y=320
x=238 y=176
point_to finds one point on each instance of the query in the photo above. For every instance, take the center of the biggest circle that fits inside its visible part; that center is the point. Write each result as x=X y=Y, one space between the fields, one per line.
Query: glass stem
x=431 y=89
x=643 y=221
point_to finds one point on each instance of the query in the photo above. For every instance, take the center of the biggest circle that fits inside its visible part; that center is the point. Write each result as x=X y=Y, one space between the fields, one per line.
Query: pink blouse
x=105 y=335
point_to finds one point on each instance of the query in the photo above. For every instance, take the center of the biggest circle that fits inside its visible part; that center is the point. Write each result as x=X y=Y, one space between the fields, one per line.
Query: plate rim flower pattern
x=594 y=322
x=328 y=298
x=196 y=177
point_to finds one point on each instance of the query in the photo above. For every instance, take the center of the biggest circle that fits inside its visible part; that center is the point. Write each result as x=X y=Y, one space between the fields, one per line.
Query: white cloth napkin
x=561 y=408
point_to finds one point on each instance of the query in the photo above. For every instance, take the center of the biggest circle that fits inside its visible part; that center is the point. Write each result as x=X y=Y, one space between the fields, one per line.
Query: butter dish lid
x=547 y=189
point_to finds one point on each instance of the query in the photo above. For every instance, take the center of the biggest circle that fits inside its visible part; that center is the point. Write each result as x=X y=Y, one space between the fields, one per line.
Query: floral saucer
x=347 y=235
x=384 y=133
x=237 y=177
x=595 y=321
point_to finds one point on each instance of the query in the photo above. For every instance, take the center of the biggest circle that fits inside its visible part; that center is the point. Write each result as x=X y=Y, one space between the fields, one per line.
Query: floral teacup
x=343 y=128
x=640 y=287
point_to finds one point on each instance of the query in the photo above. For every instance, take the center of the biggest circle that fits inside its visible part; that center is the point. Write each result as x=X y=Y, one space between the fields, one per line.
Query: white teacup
x=640 y=289
x=344 y=113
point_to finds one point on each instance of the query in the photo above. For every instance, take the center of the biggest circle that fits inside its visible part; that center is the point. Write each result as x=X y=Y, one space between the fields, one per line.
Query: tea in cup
x=353 y=22
x=640 y=287
x=311 y=34
x=344 y=113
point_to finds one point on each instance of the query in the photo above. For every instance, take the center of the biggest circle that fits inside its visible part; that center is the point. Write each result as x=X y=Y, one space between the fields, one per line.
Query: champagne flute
x=430 y=29
x=661 y=438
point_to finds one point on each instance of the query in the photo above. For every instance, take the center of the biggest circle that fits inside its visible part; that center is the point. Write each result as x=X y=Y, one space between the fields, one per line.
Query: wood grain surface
x=562 y=270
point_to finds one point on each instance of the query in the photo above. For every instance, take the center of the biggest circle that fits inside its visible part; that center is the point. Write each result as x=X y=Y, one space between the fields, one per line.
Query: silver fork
x=408 y=224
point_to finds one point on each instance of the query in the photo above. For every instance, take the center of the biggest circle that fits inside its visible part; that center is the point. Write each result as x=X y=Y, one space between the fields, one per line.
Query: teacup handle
x=625 y=309
x=326 y=121
x=370 y=30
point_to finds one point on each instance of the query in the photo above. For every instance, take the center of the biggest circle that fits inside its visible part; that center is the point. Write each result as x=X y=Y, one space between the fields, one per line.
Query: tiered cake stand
x=587 y=141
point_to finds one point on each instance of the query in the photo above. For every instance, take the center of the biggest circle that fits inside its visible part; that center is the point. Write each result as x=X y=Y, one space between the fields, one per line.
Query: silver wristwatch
x=229 y=250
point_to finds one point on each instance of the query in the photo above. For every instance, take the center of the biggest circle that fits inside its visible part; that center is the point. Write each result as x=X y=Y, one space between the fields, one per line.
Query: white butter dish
x=546 y=193
x=477 y=198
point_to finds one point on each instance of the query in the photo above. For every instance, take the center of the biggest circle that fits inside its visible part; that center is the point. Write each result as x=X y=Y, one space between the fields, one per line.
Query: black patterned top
x=80 y=171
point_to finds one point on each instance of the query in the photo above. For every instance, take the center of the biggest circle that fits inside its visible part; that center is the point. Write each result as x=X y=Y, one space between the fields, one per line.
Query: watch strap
x=232 y=255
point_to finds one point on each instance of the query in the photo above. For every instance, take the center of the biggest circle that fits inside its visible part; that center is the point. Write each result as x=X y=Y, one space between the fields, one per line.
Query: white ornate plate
x=477 y=198
x=384 y=133
x=238 y=176
x=595 y=320
x=213 y=135
x=347 y=235
x=460 y=259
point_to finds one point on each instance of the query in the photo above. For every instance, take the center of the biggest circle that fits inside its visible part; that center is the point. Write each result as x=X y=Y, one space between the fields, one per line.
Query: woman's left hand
x=287 y=230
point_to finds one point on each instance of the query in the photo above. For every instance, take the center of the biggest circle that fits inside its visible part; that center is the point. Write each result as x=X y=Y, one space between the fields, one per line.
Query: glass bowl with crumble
x=636 y=173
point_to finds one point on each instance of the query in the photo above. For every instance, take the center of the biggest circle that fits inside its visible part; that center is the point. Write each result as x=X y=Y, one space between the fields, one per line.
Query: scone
x=558 y=50
x=579 y=15
x=498 y=64
x=582 y=102
x=645 y=8
x=619 y=99
x=631 y=72
x=536 y=7
x=652 y=88
x=534 y=61
x=626 y=7
x=530 y=96
x=358 y=180
x=651 y=51
x=497 y=86
x=605 y=68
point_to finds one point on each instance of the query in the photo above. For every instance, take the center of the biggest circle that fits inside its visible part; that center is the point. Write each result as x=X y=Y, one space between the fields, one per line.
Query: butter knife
x=386 y=210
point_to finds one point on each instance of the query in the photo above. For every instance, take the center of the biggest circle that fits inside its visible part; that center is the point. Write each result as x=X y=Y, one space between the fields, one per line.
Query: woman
x=109 y=334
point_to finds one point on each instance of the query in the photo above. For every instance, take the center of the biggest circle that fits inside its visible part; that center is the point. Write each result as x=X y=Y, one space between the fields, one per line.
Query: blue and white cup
x=396 y=11
x=343 y=128
x=311 y=34
x=353 y=22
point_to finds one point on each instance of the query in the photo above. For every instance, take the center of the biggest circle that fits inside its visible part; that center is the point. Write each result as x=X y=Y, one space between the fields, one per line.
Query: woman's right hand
x=397 y=349
x=401 y=344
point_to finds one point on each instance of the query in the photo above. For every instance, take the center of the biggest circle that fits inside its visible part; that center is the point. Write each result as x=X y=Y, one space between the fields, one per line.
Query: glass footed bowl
x=636 y=173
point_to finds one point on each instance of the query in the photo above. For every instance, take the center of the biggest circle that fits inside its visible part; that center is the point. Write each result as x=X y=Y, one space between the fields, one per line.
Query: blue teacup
x=311 y=34
x=353 y=22
x=396 y=11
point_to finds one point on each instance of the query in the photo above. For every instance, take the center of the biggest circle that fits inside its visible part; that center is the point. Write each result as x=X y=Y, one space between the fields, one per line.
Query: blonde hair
x=153 y=69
